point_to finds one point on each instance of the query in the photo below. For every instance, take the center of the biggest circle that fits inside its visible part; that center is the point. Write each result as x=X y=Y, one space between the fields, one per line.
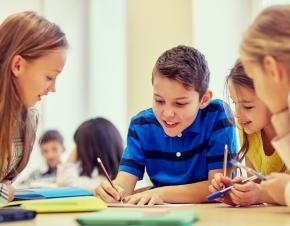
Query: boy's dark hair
x=239 y=77
x=95 y=138
x=51 y=135
x=186 y=65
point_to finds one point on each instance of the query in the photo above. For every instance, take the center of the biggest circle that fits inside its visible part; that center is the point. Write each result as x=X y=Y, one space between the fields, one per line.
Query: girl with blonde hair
x=265 y=54
x=32 y=54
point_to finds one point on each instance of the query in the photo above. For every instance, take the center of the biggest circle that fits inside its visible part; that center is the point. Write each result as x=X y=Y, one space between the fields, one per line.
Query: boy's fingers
x=143 y=201
x=132 y=200
x=152 y=201
x=112 y=191
x=105 y=196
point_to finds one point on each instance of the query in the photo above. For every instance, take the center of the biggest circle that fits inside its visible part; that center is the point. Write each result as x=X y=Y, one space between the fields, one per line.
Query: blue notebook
x=49 y=193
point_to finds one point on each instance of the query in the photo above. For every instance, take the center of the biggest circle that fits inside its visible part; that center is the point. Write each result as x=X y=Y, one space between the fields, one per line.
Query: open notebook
x=74 y=204
x=48 y=193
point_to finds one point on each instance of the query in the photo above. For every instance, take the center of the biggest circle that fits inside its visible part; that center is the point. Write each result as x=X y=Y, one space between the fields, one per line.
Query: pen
x=226 y=151
x=107 y=176
x=248 y=169
x=223 y=191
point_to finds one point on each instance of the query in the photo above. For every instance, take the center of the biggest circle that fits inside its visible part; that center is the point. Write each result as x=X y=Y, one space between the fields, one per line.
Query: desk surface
x=208 y=214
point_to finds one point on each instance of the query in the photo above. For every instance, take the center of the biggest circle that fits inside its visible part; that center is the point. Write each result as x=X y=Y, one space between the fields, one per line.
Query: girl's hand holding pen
x=246 y=194
x=220 y=182
x=109 y=194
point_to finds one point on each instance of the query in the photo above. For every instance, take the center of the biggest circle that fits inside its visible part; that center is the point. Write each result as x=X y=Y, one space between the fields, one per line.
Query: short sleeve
x=133 y=159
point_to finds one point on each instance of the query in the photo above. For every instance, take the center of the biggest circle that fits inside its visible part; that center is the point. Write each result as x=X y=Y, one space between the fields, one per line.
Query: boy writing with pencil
x=180 y=140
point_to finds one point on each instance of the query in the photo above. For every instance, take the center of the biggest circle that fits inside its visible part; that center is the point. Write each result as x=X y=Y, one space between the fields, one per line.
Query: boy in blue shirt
x=180 y=140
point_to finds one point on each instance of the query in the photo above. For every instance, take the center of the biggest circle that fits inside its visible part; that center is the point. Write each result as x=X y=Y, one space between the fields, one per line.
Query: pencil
x=226 y=151
x=107 y=176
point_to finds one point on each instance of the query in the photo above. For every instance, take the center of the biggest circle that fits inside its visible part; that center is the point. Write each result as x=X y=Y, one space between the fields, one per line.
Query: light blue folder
x=49 y=193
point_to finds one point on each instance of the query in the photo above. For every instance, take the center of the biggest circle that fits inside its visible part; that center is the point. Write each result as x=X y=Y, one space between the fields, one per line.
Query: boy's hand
x=220 y=182
x=276 y=185
x=246 y=194
x=108 y=194
x=150 y=198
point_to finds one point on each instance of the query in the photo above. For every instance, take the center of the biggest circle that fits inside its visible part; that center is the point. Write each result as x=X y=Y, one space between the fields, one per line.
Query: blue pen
x=222 y=192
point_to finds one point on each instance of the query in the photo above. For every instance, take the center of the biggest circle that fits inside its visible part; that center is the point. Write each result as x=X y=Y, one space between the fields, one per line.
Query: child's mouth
x=245 y=124
x=170 y=124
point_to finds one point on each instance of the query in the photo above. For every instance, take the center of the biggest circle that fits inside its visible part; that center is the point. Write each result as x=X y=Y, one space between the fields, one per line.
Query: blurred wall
x=152 y=27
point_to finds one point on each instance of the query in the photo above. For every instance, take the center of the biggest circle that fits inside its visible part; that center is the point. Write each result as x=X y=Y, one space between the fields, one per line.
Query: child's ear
x=16 y=65
x=206 y=98
x=272 y=68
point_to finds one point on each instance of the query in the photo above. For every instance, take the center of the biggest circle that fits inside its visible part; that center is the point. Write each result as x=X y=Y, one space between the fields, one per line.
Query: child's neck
x=267 y=134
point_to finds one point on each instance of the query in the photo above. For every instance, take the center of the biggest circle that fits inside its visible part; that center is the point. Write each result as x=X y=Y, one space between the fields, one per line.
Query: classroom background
x=114 y=45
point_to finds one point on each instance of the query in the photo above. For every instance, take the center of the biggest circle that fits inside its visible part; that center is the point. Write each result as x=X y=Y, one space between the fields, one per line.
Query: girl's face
x=38 y=77
x=250 y=111
x=270 y=88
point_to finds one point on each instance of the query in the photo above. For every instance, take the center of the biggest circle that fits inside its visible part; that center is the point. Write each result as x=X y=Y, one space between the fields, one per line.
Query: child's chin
x=249 y=131
x=170 y=133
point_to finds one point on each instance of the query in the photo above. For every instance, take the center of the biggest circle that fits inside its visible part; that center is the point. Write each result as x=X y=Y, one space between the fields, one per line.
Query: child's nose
x=237 y=112
x=168 y=113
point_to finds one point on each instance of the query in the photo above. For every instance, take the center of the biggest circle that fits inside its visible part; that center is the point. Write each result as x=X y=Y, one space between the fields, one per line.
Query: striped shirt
x=182 y=159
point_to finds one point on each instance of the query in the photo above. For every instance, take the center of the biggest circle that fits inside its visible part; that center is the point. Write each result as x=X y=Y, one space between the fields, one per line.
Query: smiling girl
x=256 y=133
x=32 y=54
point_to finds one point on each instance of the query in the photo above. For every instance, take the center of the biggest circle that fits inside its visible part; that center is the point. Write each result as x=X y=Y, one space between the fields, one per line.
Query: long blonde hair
x=30 y=36
x=268 y=35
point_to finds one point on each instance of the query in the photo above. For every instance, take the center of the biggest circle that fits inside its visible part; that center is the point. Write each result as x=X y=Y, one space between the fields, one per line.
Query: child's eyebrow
x=155 y=94
x=181 y=98
x=243 y=101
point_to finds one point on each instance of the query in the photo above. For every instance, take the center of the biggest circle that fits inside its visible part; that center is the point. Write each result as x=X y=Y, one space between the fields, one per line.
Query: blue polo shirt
x=183 y=159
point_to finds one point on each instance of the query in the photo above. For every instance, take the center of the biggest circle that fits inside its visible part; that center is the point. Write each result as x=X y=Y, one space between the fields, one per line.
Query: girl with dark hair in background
x=94 y=138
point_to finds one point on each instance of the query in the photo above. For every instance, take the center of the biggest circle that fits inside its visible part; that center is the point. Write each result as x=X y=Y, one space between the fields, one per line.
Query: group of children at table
x=179 y=141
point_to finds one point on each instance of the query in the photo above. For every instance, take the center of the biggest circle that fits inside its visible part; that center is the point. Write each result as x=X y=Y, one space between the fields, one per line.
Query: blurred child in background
x=94 y=138
x=51 y=147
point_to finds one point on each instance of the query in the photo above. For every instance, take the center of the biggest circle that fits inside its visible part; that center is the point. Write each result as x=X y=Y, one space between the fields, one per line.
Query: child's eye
x=49 y=78
x=248 y=107
x=181 y=104
x=159 y=101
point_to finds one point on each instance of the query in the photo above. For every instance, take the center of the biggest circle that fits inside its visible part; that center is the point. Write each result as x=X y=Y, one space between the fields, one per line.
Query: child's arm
x=277 y=186
x=125 y=184
x=188 y=193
